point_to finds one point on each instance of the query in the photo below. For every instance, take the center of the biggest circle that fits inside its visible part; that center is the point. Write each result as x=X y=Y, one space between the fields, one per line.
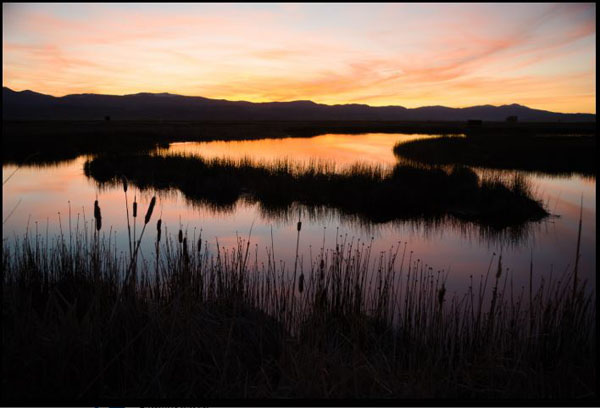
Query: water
x=342 y=150
x=36 y=195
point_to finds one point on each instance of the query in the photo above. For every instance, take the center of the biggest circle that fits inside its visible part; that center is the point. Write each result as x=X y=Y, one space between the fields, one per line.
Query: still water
x=43 y=197
x=341 y=151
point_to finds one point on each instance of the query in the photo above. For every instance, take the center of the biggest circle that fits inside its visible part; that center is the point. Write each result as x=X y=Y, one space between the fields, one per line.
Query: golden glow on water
x=341 y=149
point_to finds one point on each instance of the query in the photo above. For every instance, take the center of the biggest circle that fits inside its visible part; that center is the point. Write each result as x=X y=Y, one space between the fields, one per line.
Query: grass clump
x=404 y=193
x=553 y=154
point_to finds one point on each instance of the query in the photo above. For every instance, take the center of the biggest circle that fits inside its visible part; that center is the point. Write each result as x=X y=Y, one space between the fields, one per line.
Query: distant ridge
x=29 y=105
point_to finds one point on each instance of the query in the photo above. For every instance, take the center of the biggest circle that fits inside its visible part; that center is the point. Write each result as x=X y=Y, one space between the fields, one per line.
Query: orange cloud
x=455 y=56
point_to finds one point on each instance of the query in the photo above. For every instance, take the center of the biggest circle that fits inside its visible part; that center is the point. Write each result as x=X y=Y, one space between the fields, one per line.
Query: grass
x=405 y=192
x=63 y=140
x=556 y=155
x=77 y=324
x=41 y=149
x=82 y=320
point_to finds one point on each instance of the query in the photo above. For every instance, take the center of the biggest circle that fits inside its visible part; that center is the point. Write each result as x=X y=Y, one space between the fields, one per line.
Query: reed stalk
x=124 y=181
x=577 y=249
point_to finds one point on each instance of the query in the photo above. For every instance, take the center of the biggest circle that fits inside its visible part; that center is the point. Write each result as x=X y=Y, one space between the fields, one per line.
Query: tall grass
x=558 y=155
x=404 y=192
x=219 y=325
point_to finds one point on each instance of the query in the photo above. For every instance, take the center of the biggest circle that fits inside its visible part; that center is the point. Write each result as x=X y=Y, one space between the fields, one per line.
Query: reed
x=376 y=194
x=207 y=323
x=124 y=181
x=56 y=140
x=577 y=248
x=559 y=155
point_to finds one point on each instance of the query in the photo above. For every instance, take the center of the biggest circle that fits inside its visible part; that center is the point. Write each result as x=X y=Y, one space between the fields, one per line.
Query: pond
x=50 y=198
x=339 y=150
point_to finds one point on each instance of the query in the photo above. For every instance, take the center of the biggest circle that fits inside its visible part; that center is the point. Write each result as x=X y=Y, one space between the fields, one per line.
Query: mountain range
x=29 y=105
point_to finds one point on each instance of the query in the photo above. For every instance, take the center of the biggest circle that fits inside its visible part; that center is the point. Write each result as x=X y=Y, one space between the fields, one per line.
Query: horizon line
x=299 y=100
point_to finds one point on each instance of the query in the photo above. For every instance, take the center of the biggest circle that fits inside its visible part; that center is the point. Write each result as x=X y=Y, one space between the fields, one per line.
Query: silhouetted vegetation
x=67 y=139
x=45 y=143
x=557 y=155
x=83 y=319
x=78 y=324
x=407 y=192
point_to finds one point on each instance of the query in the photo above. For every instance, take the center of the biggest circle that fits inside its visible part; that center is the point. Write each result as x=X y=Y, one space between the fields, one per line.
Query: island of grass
x=550 y=154
x=405 y=192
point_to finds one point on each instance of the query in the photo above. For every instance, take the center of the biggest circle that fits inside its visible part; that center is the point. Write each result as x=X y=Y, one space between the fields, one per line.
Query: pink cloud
x=400 y=54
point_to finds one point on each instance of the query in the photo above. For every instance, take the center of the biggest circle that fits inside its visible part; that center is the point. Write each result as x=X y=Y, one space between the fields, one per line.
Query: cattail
x=322 y=266
x=97 y=216
x=301 y=283
x=150 y=209
x=499 y=272
x=134 y=208
x=124 y=180
x=323 y=297
x=199 y=244
x=158 y=230
x=186 y=256
x=441 y=294
x=299 y=227
x=180 y=237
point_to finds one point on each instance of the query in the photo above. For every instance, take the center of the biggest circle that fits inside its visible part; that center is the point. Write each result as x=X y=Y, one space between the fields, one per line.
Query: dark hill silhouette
x=28 y=105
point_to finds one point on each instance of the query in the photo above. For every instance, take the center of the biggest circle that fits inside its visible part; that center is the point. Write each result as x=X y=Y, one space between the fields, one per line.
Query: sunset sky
x=539 y=55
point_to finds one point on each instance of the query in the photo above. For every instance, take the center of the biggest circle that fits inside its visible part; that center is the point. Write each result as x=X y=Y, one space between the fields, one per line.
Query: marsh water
x=57 y=197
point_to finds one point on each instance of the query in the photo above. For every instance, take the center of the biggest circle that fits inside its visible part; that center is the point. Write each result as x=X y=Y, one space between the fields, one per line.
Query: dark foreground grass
x=378 y=196
x=81 y=321
x=556 y=155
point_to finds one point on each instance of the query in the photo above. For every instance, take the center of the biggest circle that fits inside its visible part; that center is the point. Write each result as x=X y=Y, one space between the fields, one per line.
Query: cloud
x=398 y=54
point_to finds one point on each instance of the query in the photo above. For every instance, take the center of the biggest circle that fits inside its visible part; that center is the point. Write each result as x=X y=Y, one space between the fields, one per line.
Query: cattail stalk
x=301 y=283
x=127 y=212
x=132 y=262
x=150 y=209
x=97 y=216
x=494 y=297
x=134 y=220
x=298 y=227
x=158 y=233
x=577 y=249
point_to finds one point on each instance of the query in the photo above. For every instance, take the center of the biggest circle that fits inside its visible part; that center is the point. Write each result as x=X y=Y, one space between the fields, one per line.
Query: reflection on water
x=462 y=248
x=38 y=159
x=427 y=228
x=339 y=150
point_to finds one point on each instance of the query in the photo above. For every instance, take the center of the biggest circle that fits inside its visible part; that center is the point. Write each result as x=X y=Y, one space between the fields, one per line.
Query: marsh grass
x=558 y=155
x=372 y=192
x=201 y=324
x=56 y=140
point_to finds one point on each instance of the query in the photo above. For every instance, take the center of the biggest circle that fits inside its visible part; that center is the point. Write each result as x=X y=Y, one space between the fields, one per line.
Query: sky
x=535 y=54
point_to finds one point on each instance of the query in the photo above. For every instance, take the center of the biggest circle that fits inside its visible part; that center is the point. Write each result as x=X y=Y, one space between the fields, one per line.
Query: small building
x=512 y=119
